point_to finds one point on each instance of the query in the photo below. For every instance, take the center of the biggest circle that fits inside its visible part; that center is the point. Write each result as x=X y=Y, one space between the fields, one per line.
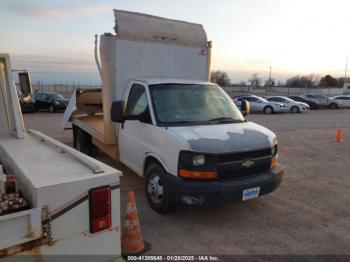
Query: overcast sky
x=55 y=39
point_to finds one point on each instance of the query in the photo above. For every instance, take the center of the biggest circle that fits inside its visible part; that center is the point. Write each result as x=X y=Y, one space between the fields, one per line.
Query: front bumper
x=28 y=107
x=304 y=109
x=221 y=192
x=60 y=106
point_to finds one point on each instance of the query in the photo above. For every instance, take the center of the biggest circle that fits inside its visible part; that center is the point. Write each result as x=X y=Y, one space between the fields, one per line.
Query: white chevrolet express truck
x=53 y=199
x=158 y=114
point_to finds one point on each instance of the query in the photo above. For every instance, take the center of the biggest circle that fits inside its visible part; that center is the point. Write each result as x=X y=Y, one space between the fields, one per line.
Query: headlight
x=193 y=165
x=56 y=103
x=198 y=160
x=274 y=150
x=274 y=159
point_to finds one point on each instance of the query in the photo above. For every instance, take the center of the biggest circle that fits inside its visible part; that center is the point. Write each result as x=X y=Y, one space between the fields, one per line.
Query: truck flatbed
x=93 y=124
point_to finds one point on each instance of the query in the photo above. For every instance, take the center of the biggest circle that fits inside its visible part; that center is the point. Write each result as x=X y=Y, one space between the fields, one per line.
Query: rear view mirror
x=117 y=112
x=245 y=108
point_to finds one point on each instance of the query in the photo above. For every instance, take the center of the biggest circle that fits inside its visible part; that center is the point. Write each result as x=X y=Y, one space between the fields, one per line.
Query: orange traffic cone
x=132 y=242
x=338 y=137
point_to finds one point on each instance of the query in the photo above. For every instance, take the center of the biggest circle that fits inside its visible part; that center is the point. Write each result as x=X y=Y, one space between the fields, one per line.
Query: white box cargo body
x=57 y=181
x=144 y=46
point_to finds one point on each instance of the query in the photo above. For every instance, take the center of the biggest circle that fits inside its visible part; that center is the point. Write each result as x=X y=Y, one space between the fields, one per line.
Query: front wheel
x=268 y=110
x=52 y=109
x=333 y=106
x=294 y=109
x=156 y=189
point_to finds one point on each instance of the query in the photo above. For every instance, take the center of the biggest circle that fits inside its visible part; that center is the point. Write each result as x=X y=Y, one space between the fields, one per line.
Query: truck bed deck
x=93 y=125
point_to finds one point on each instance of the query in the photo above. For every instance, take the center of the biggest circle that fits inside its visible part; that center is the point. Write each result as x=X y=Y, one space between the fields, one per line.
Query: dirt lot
x=308 y=214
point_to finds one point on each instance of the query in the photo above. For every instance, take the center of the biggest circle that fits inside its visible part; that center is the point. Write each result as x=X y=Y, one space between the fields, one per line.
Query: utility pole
x=269 y=85
x=346 y=66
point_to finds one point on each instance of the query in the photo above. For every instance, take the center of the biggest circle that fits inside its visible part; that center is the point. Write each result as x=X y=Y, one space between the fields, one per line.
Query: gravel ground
x=308 y=214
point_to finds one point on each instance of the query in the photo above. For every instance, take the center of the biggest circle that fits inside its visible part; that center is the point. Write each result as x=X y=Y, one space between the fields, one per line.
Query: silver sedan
x=259 y=104
x=291 y=105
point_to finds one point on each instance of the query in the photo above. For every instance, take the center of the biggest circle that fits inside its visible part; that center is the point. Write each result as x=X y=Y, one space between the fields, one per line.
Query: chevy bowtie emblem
x=248 y=163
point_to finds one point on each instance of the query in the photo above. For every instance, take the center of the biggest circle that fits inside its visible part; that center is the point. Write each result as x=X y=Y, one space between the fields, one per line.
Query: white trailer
x=172 y=124
x=74 y=200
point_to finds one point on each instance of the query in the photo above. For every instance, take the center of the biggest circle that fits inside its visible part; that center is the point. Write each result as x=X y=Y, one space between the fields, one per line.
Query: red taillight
x=100 y=208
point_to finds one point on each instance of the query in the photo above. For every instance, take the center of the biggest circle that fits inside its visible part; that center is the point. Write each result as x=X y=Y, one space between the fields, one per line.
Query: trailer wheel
x=156 y=189
x=82 y=141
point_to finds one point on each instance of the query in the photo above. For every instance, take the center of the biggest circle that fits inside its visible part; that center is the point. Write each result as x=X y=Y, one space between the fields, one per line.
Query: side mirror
x=117 y=112
x=245 y=108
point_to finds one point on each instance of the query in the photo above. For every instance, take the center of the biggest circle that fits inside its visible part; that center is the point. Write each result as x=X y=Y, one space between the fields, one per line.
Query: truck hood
x=225 y=138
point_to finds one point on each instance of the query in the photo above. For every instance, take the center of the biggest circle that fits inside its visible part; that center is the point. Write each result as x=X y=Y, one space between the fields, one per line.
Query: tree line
x=301 y=81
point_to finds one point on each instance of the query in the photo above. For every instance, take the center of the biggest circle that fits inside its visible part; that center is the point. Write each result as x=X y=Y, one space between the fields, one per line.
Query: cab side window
x=45 y=97
x=137 y=102
x=253 y=99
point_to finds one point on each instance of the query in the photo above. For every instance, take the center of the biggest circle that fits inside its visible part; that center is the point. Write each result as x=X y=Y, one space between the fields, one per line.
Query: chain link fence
x=281 y=91
x=64 y=89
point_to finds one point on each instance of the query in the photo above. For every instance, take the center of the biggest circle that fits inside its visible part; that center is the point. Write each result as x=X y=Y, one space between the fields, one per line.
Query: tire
x=82 y=141
x=268 y=110
x=295 y=109
x=156 y=189
x=333 y=106
x=52 y=109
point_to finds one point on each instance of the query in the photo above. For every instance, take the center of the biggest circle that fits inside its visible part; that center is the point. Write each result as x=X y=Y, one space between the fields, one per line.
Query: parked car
x=259 y=104
x=27 y=105
x=311 y=104
x=324 y=101
x=51 y=101
x=344 y=99
x=290 y=104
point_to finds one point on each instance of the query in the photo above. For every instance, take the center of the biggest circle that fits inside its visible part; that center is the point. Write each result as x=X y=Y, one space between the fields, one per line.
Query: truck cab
x=192 y=144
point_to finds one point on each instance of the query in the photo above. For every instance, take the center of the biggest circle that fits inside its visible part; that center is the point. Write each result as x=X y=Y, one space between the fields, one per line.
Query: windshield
x=56 y=96
x=288 y=99
x=193 y=104
x=262 y=99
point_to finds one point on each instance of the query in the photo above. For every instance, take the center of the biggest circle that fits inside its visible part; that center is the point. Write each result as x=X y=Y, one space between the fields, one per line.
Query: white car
x=344 y=99
x=290 y=104
x=324 y=101
x=259 y=104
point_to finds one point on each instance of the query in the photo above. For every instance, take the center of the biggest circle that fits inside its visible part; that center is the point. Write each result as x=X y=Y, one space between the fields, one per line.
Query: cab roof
x=155 y=81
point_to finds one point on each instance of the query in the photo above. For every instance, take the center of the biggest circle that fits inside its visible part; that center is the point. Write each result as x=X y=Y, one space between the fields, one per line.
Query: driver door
x=133 y=136
x=255 y=106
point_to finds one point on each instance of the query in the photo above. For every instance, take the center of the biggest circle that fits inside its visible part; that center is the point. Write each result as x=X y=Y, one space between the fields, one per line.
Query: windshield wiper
x=225 y=120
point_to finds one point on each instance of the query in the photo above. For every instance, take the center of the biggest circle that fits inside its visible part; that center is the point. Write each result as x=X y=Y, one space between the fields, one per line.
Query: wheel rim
x=51 y=109
x=268 y=110
x=155 y=188
x=294 y=110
